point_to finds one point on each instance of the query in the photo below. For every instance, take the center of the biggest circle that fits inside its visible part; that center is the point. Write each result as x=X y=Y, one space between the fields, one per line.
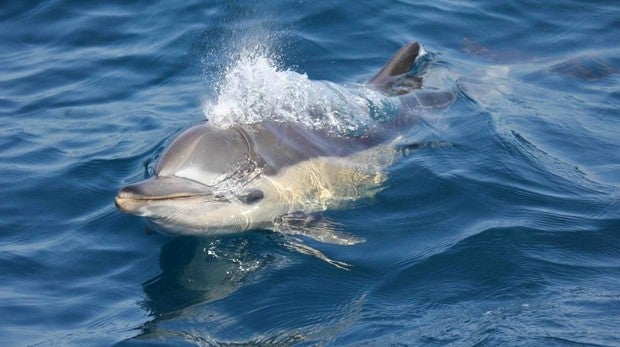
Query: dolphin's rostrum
x=274 y=175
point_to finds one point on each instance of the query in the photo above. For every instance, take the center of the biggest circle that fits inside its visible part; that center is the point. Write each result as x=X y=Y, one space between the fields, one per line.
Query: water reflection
x=189 y=301
x=202 y=270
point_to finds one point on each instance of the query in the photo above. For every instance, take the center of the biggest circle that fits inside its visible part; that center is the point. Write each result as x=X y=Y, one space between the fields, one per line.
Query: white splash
x=254 y=88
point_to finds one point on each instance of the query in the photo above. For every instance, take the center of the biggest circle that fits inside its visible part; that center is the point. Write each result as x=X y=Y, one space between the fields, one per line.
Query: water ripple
x=498 y=225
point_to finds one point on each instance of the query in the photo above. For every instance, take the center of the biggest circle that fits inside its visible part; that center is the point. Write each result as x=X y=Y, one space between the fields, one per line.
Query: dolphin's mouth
x=131 y=197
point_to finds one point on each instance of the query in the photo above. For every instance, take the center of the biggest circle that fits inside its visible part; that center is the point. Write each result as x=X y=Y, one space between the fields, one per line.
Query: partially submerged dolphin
x=276 y=175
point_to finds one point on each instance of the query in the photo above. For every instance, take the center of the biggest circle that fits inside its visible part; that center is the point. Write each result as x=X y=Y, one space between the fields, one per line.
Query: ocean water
x=501 y=226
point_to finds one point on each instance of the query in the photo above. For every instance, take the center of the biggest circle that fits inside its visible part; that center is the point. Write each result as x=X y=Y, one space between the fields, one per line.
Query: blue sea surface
x=501 y=227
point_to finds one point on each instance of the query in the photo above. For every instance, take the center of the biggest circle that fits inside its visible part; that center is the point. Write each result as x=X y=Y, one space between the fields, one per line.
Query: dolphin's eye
x=253 y=196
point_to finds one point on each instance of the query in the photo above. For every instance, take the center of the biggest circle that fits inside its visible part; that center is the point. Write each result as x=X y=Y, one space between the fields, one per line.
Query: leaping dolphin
x=276 y=175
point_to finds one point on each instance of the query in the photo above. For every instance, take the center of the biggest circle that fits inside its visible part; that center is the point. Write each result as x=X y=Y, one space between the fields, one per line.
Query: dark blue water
x=506 y=232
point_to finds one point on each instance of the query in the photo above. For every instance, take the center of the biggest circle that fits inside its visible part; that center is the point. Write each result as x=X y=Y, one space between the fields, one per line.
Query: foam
x=255 y=88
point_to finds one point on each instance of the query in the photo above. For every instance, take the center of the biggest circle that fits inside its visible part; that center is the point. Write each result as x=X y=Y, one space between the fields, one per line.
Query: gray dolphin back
x=399 y=64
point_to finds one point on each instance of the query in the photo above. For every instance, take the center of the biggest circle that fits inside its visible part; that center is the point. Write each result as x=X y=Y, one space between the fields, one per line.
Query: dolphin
x=277 y=175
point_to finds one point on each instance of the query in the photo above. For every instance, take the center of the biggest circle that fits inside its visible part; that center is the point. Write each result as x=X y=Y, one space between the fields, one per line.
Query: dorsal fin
x=399 y=64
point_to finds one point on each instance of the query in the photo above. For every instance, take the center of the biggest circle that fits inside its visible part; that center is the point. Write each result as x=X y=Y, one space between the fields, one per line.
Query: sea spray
x=255 y=87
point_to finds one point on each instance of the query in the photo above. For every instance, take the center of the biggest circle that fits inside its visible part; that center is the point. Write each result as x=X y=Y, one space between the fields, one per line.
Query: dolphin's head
x=208 y=180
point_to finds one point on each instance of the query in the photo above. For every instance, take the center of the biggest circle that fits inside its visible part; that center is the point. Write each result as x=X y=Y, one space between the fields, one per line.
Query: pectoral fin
x=300 y=247
x=315 y=227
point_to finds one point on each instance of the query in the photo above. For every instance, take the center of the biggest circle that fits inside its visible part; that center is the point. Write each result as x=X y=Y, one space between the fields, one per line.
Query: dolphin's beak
x=133 y=196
